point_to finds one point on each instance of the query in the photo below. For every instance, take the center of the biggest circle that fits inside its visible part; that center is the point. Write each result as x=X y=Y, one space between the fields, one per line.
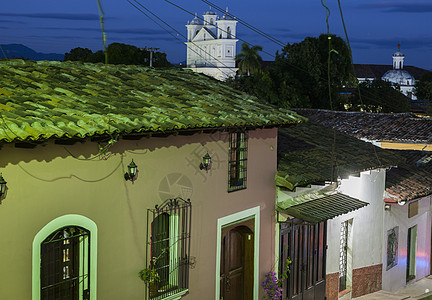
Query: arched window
x=65 y=268
x=228 y=32
x=64 y=260
x=211 y=21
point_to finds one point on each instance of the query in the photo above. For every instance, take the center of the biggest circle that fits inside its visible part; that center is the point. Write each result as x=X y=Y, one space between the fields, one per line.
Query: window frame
x=237 y=160
x=175 y=230
x=48 y=229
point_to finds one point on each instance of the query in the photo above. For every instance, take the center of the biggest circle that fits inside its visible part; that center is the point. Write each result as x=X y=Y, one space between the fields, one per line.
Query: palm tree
x=249 y=61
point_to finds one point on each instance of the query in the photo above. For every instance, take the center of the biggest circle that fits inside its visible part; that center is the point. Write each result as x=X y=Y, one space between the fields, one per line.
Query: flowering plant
x=272 y=286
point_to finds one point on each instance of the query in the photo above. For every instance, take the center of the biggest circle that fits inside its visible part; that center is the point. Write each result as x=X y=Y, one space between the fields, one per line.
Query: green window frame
x=237 y=161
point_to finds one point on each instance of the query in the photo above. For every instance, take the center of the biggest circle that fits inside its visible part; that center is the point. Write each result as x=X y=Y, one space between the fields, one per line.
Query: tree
x=378 y=96
x=307 y=63
x=119 y=53
x=80 y=54
x=249 y=61
x=423 y=87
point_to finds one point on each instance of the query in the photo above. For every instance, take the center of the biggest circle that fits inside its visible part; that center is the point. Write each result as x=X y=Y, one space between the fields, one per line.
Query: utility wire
x=101 y=19
x=4 y=54
x=175 y=31
x=281 y=44
x=193 y=14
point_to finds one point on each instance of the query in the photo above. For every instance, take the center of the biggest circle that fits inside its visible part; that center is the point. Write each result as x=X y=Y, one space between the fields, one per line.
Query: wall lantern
x=132 y=172
x=2 y=185
x=206 y=162
x=387 y=207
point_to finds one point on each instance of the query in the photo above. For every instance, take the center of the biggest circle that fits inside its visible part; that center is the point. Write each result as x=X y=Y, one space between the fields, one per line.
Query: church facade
x=398 y=74
x=211 y=45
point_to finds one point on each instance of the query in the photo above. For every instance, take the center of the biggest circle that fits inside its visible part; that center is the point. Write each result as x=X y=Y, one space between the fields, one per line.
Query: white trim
x=66 y=220
x=228 y=220
x=175 y=296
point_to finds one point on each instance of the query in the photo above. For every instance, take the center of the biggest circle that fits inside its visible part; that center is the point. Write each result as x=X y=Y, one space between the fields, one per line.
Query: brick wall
x=332 y=286
x=366 y=280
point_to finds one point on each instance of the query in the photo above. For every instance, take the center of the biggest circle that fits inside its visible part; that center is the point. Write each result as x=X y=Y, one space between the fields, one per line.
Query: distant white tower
x=399 y=76
x=211 y=45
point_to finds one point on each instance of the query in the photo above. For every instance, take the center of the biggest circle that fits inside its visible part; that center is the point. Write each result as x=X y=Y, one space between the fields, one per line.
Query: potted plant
x=151 y=278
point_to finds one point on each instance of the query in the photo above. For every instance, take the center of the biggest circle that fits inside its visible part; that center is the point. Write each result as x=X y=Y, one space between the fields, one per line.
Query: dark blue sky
x=374 y=27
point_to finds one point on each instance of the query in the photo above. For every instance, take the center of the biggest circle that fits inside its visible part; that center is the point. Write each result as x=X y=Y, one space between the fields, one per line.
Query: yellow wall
x=47 y=182
x=406 y=146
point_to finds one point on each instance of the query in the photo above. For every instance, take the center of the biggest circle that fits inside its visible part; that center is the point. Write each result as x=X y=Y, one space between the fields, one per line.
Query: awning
x=316 y=210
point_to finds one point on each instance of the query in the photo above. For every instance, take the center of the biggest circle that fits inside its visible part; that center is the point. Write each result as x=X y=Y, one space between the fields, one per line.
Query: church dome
x=398 y=53
x=210 y=12
x=227 y=16
x=400 y=77
x=196 y=21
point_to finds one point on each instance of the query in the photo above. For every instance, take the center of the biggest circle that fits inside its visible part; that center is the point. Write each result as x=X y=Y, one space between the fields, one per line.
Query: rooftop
x=396 y=127
x=305 y=155
x=411 y=180
x=43 y=100
x=377 y=71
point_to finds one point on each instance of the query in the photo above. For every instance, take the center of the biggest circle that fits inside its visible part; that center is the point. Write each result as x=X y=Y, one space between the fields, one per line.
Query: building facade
x=211 y=45
x=113 y=170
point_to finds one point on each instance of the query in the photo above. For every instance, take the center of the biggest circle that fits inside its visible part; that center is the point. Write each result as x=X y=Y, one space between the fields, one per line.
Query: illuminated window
x=237 y=161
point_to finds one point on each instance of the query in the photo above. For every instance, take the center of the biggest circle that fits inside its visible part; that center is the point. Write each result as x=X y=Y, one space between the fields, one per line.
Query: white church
x=404 y=76
x=211 y=45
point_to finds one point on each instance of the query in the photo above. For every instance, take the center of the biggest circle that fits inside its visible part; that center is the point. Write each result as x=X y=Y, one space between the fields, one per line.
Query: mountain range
x=24 y=52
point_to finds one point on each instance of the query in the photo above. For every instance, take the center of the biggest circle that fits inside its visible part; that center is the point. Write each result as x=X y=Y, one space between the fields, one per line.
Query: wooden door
x=305 y=246
x=237 y=264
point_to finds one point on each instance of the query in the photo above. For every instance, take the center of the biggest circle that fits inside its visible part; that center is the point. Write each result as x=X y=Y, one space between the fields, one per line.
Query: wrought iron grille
x=343 y=256
x=168 y=246
x=65 y=264
x=237 y=166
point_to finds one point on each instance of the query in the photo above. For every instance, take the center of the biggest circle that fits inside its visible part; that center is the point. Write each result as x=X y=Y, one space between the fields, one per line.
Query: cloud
x=132 y=31
x=403 y=6
x=61 y=16
x=406 y=43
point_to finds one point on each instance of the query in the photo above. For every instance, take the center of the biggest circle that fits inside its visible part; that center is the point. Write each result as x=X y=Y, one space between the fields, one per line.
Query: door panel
x=305 y=246
x=236 y=268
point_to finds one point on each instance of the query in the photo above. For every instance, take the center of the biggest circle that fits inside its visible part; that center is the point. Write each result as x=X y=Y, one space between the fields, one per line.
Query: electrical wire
x=4 y=54
x=101 y=19
x=269 y=37
x=196 y=52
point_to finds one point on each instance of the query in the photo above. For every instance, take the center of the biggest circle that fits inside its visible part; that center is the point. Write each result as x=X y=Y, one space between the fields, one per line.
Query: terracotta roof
x=397 y=127
x=411 y=180
x=305 y=155
x=42 y=100
x=377 y=71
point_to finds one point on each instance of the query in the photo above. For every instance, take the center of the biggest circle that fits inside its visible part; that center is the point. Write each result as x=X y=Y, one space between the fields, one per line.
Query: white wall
x=394 y=278
x=367 y=223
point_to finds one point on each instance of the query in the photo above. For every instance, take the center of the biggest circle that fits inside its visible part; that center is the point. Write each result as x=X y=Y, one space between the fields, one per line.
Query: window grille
x=343 y=256
x=168 y=247
x=65 y=264
x=237 y=161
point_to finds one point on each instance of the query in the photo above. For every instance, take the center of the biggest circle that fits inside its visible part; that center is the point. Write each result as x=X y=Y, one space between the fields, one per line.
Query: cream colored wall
x=46 y=182
x=395 y=278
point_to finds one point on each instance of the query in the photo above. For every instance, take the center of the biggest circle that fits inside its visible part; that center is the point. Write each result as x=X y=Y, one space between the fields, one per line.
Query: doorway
x=411 y=253
x=237 y=262
x=305 y=246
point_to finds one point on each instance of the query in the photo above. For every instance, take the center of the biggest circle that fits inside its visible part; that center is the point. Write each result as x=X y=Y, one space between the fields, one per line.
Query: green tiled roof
x=305 y=155
x=320 y=206
x=42 y=100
